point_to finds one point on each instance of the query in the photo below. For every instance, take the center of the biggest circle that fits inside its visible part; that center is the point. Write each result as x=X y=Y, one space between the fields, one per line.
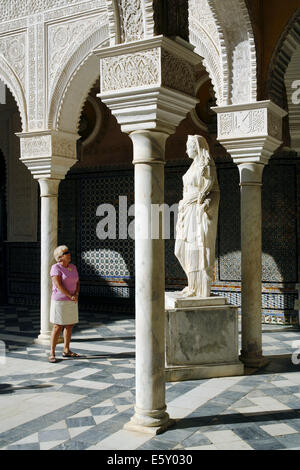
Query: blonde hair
x=59 y=251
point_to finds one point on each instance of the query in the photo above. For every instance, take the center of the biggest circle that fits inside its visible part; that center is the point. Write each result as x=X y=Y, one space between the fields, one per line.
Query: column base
x=152 y=430
x=45 y=339
x=254 y=362
x=152 y=423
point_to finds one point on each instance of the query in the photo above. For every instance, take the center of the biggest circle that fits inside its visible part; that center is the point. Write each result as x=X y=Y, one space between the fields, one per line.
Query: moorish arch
x=75 y=78
x=222 y=34
x=220 y=31
x=283 y=79
x=282 y=55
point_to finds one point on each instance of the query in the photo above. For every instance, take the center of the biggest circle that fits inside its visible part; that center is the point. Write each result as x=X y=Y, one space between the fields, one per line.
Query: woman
x=64 y=300
x=196 y=227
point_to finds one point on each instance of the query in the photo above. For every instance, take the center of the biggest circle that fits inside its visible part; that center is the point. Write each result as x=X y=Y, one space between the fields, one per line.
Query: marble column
x=49 y=206
x=150 y=410
x=149 y=105
x=251 y=133
x=251 y=247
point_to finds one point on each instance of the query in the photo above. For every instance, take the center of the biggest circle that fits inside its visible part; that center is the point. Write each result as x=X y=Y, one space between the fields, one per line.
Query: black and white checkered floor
x=83 y=403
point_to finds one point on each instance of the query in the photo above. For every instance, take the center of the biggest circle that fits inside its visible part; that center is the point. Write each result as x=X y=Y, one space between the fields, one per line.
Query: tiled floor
x=84 y=403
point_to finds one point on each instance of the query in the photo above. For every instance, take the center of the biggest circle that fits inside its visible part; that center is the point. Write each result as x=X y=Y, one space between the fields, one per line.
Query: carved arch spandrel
x=8 y=76
x=76 y=79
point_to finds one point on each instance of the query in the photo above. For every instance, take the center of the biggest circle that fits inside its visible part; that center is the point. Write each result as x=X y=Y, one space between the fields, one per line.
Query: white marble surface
x=49 y=208
x=149 y=283
x=202 y=336
x=196 y=227
x=251 y=246
x=175 y=300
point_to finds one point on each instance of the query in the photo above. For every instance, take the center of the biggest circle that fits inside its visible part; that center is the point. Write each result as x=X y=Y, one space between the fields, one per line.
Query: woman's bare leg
x=56 y=330
x=67 y=337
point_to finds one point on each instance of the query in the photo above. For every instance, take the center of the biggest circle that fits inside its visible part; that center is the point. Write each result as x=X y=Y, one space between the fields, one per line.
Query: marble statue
x=197 y=221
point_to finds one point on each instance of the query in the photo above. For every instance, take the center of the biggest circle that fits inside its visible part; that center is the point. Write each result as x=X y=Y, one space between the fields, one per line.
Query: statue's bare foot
x=186 y=292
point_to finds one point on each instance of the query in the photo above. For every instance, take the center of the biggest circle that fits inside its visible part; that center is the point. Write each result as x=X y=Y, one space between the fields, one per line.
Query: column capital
x=148 y=146
x=49 y=153
x=149 y=84
x=49 y=187
x=251 y=173
x=250 y=132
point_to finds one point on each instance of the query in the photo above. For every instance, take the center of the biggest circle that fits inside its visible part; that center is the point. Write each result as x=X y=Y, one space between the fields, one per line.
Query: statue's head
x=197 y=148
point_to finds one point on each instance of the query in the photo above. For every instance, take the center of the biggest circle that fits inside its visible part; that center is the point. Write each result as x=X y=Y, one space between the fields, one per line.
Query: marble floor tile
x=91 y=399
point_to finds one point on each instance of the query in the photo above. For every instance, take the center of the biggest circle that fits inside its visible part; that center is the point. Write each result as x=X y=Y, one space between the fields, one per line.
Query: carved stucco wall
x=46 y=51
x=223 y=35
x=42 y=46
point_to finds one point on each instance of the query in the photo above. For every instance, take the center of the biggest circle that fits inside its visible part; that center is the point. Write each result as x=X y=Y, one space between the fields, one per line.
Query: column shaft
x=251 y=246
x=49 y=205
x=149 y=284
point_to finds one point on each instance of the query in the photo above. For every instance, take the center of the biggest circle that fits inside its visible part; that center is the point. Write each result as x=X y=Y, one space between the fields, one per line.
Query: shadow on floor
x=8 y=388
x=236 y=418
x=278 y=364
x=109 y=338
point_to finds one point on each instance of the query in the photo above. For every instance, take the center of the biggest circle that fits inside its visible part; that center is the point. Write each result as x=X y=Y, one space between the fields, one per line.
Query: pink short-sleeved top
x=69 y=278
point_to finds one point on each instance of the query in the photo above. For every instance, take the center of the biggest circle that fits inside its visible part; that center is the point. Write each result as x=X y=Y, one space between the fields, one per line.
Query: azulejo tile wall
x=106 y=266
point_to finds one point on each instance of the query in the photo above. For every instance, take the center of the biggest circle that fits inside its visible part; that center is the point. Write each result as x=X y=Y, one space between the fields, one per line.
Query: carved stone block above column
x=48 y=154
x=250 y=132
x=149 y=84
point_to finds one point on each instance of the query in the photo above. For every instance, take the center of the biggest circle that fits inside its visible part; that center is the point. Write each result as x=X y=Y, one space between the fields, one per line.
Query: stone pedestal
x=201 y=338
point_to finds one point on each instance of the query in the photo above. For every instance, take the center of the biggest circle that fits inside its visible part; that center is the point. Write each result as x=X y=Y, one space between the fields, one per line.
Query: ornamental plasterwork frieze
x=66 y=37
x=240 y=49
x=57 y=144
x=243 y=123
x=154 y=67
x=26 y=51
x=253 y=122
x=11 y=9
x=149 y=84
x=177 y=73
x=48 y=155
x=250 y=132
x=130 y=71
x=36 y=146
x=13 y=48
x=208 y=41
x=201 y=15
x=131 y=19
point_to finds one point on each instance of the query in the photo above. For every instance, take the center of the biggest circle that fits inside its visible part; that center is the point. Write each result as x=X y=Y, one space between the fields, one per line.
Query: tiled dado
x=277 y=303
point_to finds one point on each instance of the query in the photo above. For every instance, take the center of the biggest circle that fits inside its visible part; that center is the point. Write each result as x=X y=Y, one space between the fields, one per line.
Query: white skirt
x=63 y=312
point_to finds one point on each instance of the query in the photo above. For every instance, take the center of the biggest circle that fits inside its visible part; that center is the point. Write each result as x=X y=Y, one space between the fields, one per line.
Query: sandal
x=70 y=354
x=52 y=359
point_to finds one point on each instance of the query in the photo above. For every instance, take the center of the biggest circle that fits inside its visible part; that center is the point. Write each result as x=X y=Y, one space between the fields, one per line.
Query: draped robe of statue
x=197 y=221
